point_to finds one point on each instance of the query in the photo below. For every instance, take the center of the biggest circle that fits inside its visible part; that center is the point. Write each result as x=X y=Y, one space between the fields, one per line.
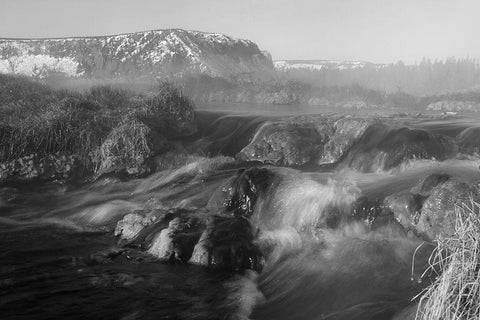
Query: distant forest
x=450 y=85
x=425 y=78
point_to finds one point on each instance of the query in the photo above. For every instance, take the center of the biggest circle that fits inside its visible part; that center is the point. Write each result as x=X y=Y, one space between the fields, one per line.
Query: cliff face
x=159 y=52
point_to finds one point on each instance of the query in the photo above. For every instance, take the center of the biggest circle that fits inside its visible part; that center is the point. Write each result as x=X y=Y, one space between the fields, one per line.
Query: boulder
x=438 y=217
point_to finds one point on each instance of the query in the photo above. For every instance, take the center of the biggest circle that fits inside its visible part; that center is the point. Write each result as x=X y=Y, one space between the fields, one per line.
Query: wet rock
x=132 y=224
x=438 y=212
x=176 y=242
x=469 y=141
x=227 y=243
x=405 y=207
x=386 y=224
x=241 y=196
x=347 y=131
x=425 y=186
x=284 y=144
x=383 y=147
x=366 y=210
x=47 y=167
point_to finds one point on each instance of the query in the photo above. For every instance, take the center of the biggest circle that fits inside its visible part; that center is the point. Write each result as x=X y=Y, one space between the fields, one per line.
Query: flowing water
x=60 y=260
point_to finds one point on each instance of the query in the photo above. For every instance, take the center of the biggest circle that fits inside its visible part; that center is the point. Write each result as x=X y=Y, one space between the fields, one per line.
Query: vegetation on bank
x=106 y=128
x=455 y=293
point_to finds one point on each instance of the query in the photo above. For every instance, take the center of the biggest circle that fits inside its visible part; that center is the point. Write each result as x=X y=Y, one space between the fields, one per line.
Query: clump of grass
x=455 y=293
x=127 y=146
x=99 y=125
x=166 y=109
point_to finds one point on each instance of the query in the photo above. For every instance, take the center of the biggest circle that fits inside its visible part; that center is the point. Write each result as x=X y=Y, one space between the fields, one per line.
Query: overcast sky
x=373 y=30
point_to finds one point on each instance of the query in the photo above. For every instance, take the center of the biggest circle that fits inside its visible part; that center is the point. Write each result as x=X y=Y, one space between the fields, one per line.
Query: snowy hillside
x=316 y=65
x=171 y=52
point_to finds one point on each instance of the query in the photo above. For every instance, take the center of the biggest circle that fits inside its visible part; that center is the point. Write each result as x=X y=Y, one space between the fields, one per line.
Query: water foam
x=298 y=201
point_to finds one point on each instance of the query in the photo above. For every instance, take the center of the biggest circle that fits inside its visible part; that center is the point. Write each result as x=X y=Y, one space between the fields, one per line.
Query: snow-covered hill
x=317 y=65
x=168 y=52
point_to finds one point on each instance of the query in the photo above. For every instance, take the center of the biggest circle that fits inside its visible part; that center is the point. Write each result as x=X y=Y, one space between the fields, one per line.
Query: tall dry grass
x=455 y=293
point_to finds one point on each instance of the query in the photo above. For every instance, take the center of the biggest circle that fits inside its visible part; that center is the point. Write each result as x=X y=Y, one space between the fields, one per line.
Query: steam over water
x=59 y=258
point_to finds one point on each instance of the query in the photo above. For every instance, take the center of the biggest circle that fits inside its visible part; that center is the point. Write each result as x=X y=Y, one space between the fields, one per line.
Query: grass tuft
x=455 y=293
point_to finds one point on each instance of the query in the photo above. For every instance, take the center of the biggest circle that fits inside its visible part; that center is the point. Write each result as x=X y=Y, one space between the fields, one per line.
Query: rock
x=438 y=212
x=366 y=210
x=347 y=131
x=132 y=224
x=245 y=189
x=386 y=224
x=283 y=144
x=176 y=242
x=383 y=147
x=424 y=187
x=45 y=167
x=405 y=207
x=227 y=243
